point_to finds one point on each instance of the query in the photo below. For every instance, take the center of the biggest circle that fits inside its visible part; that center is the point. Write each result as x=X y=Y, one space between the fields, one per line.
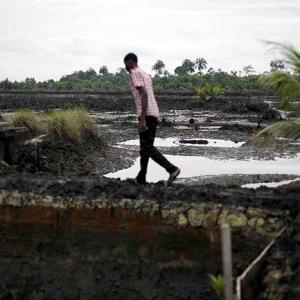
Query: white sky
x=49 y=38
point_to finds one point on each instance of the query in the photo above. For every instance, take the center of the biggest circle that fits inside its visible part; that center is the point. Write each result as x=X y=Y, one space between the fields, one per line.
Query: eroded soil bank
x=73 y=247
x=61 y=208
x=48 y=253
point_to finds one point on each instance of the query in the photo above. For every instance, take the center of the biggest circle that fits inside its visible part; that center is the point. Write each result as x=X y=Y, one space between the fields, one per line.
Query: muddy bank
x=281 y=278
x=102 y=205
x=67 y=158
x=79 y=254
x=282 y=198
x=32 y=154
x=68 y=246
x=181 y=206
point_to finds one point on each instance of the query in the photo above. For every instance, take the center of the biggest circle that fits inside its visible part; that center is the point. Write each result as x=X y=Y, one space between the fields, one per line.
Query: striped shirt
x=139 y=78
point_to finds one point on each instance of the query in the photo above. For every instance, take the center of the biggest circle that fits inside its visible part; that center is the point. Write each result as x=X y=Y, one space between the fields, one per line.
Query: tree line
x=186 y=77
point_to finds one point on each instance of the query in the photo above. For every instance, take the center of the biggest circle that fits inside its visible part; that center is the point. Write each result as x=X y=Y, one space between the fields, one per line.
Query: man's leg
x=146 y=141
x=147 y=148
x=144 y=159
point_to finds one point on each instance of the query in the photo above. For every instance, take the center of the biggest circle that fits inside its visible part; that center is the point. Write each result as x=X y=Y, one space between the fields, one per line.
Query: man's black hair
x=131 y=56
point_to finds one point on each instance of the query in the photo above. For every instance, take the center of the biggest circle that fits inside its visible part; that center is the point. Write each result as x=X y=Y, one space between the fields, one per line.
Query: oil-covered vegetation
x=187 y=77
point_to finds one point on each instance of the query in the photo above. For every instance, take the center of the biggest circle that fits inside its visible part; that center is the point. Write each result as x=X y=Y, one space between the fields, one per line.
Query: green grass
x=26 y=118
x=73 y=125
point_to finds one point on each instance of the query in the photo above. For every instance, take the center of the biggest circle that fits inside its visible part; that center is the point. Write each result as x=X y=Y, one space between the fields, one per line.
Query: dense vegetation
x=188 y=76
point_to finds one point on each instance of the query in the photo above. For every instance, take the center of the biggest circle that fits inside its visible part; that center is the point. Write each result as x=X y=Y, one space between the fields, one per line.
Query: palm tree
x=158 y=67
x=248 y=70
x=277 y=65
x=286 y=87
x=200 y=64
x=188 y=66
x=103 y=71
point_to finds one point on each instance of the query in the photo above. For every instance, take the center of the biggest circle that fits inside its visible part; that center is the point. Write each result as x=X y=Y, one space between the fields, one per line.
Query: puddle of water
x=174 y=142
x=37 y=139
x=192 y=166
x=102 y=125
x=201 y=128
x=111 y=115
x=268 y=184
x=182 y=127
x=209 y=128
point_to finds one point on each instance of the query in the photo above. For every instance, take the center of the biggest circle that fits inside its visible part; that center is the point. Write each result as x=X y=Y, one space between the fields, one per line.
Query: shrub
x=209 y=92
x=26 y=118
x=72 y=125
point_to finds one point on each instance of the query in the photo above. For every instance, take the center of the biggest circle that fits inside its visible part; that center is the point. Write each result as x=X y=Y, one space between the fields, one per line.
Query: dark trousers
x=147 y=150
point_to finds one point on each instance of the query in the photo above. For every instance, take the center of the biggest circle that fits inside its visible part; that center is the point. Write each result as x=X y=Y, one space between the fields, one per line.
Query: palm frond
x=289 y=52
x=284 y=129
x=285 y=86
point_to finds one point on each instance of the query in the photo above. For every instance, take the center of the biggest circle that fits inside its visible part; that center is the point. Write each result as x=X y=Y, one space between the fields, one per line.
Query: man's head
x=130 y=61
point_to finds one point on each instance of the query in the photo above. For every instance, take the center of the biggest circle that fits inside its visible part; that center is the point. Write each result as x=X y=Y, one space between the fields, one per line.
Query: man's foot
x=136 y=182
x=173 y=176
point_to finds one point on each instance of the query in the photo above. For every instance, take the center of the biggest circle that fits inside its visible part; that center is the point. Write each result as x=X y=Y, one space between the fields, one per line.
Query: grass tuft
x=73 y=125
x=26 y=118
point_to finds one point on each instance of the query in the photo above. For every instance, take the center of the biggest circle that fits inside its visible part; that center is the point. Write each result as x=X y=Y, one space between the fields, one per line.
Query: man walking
x=148 y=113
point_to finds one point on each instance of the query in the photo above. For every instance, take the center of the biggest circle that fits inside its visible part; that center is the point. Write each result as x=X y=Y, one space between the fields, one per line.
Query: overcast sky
x=49 y=38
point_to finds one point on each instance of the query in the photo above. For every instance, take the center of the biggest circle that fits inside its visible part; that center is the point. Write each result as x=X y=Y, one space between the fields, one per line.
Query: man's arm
x=144 y=100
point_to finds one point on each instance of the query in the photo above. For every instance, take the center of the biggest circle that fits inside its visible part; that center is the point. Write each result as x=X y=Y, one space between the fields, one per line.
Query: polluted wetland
x=74 y=227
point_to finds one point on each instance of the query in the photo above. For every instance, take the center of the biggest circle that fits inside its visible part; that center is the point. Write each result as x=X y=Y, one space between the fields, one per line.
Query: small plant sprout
x=217 y=283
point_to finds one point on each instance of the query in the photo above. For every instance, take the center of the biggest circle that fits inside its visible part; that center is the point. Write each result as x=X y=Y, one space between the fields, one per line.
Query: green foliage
x=184 y=79
x=209 y=92
x=72 y=125
x=277 y=65
x=286 y=87
x=26 y=118
x=200 y=64
x=284 y=129
x=217 y=283
x=103 y=71
x=249 y=70
x=187 y=67
x=159 y=67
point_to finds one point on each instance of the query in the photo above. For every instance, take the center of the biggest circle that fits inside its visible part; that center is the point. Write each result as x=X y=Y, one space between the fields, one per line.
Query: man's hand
x=142 y=125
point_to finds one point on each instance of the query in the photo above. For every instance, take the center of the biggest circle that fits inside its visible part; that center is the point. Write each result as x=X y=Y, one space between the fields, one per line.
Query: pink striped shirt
x=139 y=78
